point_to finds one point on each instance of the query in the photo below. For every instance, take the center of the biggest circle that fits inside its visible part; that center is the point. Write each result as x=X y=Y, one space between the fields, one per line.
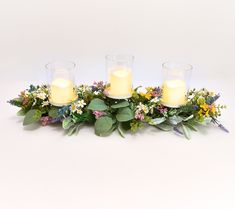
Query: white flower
x=84 y=88
x=142 y=107
x=77 y=107
x=155 y=100
x=96 y=92
x=41 y=95
x=80 y=103
x=73 y=108
x=79 y=111
x=45 y=103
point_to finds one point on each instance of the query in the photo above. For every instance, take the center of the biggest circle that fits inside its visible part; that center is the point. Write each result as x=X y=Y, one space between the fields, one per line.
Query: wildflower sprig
x=107 y=115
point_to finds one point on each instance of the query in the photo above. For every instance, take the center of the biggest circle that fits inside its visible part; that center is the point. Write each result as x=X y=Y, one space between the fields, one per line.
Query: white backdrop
x=44 y=169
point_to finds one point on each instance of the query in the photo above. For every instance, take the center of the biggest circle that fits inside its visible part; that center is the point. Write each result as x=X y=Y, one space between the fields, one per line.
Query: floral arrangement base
x=107 y=114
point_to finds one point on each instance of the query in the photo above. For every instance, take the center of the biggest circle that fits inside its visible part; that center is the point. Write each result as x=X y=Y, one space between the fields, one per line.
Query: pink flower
x=162 y=109
x=46 y=120
x=106 y=92
x=98 y=114
x=139 y=115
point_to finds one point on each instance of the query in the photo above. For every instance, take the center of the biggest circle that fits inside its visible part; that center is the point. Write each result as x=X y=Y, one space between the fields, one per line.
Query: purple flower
x=223 y=128
x=162 y=109
x=98 y=114
x=139 y=115
x=46 y=120
x=98 y=85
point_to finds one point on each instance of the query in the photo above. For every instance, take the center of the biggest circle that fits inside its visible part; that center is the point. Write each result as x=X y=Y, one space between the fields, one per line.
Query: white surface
x=44 y=169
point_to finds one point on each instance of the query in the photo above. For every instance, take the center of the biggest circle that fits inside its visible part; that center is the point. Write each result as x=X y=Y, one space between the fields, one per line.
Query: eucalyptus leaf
x=157 y=121
x=164 y=127
x=21 y=113
x=186 y=131
x=108 y=132
x=97 y=105
x=174 y=120
x=53 y=113
x=103 y=125
x=125 y=114
x=32 y=116
x=120 y=105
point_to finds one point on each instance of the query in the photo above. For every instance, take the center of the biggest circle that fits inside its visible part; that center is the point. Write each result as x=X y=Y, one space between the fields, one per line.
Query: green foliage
x=103 y=126
x=21 y=112
x=67 y=123
x=32 y=116
x=186 y=131
x=16 y=102
x=97 y=105
x=124 y=114
x=164 y=127
x=53 y=112
x=120 y=105
x=157 y=121
x=136 y=125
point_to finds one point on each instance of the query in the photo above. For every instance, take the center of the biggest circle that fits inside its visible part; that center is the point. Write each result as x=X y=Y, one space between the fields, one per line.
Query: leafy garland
x=144 y=107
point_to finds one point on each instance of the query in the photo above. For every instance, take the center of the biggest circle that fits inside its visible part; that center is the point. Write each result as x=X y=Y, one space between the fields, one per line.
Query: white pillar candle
x=62 y=92
x=174 y=93
x=120 y=80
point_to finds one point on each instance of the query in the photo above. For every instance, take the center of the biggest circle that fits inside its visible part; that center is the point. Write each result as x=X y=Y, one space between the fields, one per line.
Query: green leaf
x=120 y=131
x=125 y=114
x=186 y=131
x=72 y=130
x=126 y=126
x=67 y=123
x=103 y=125
x=53 y=113
x=190 y=126
x=97 y=105
x=78 y=127
x=206 y=121
x=120 y=105
x=172 y=112
x=174 y=120
x=32 y=116
x=188 y=118
x=164 y=127
x=157 y=121
x=21 y=113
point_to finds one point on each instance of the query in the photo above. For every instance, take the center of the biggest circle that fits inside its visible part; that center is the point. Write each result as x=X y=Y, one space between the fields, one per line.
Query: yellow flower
x=205 y=107
x=201 y=100
x=213 y=109
x=200 y=113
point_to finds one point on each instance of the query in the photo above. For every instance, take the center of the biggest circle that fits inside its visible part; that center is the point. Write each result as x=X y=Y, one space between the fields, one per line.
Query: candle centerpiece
x=61 y=83
x=175 y=85
x=120 y=76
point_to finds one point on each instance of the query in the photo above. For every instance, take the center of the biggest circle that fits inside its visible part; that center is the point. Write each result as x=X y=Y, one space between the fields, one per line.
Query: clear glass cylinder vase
x=61 y=78
x=176 y=77
x=120 y=76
